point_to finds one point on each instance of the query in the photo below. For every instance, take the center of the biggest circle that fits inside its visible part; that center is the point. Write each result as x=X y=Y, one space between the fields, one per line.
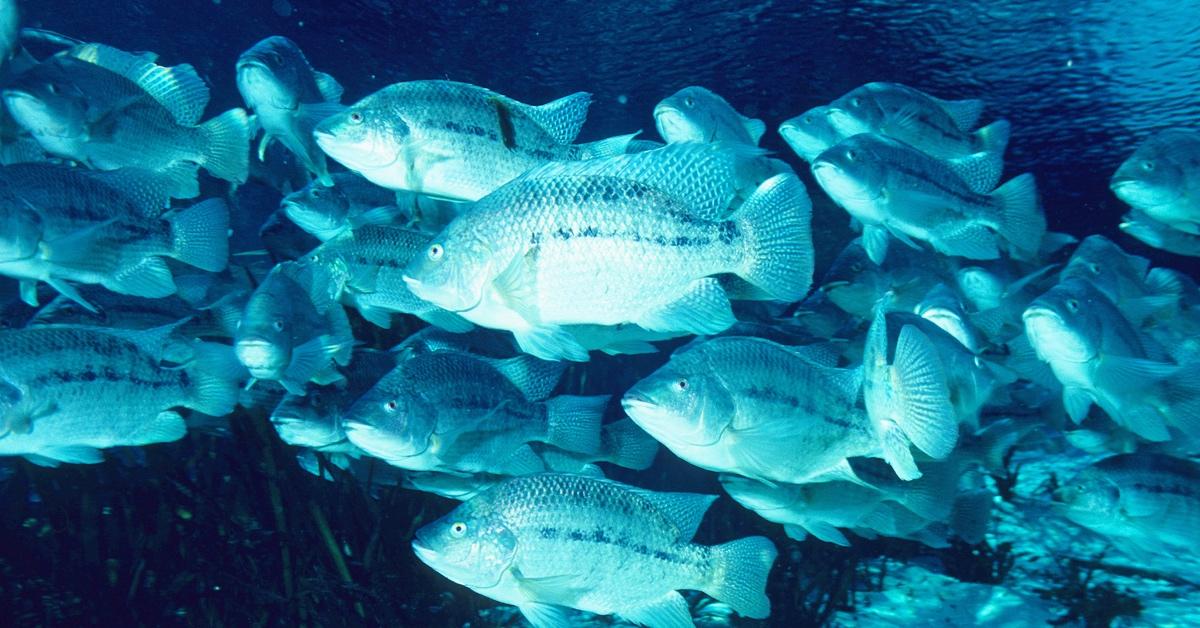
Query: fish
x=458 y=413
x=855 y=283
x=757 y=409
x=289 y=98
x=1159 y=235
x=72 y=225
x=71 y=391
x=943 y=307
x=449 y=485
x=810 y=133
x=451 y=140
x=1142 y=293
x=1099 y=357
x=894 y=189
x=367 y=269
x=329 y=210
x=622 y=443
x=126 y=312
x=111 y=109
x=548 y=542
x=939 y=128
x=314 y=420
x=1145 y=503
x=1161 y=179
x=906 y=394
x=696 y=114
x=648 y=238
x=293 y=330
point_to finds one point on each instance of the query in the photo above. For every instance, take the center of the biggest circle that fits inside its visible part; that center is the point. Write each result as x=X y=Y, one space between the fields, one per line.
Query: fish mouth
x=834 y=285
x=636 y=401
x=261 y=357
x=424 y=553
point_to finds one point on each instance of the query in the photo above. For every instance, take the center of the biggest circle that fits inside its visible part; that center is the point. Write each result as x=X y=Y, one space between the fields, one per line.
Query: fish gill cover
x=485 y=313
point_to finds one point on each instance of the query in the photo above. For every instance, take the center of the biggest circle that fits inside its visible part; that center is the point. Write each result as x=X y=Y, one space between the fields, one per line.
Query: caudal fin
x=776 y=221
x=574 y=422
x=739 y=575
x=200 y=235
x=215 y=372
x=1022 y=223
x=227 y=145
x=993 y=138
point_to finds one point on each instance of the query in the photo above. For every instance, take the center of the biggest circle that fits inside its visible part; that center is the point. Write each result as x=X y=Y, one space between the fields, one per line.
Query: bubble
x=282 y=8
x=622 y=99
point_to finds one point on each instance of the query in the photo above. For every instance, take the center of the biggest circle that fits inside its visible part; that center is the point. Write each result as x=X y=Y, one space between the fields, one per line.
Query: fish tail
x=215 y=372
x=1022 y=223
x=200 y=235
x=776 y=220
x=993 y=138
x=227 y=145
x=629 y=446
x=574 y=422
x=739 y=575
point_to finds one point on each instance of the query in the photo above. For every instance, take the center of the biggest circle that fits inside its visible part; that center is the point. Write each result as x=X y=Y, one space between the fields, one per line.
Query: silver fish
x=551 y=541
x=349 y=201
x=696 y=114
x=1161 y=180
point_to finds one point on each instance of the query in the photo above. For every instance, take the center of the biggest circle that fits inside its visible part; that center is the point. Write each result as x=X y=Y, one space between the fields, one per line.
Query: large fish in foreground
x=633 y=239
x=289 y=97
x=897 y=191
x=452 y=140
x=112 y=109
x=549 y=542
x=70 y=391
x=765 y=411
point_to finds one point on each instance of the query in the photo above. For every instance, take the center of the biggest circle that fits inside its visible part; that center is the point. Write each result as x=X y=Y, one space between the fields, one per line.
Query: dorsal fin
x=965 y=113
x=685 y=510
x=330 y=89
x=179 y=89
x=755 y=128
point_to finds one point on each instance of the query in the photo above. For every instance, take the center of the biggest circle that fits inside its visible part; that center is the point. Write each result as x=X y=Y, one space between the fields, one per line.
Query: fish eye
x=855 y=102
x=808 y=119
x=856 y=267
x=851 y=154
x=435 y=252
x=356 y=117
x=689 y=101
x=52 y=88
x=681 y=384
x=277 y=324
x=315 y=193
x=1094 y=267
x=391 y=405
x=1148 y=166
x=1072 y=305
x=458 y=529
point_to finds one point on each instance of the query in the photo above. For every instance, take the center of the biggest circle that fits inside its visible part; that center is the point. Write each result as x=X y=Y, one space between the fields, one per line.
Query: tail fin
x=779 y=253
x=993 y=138
x=215 y=372
x=574 y=422
x=625 y=444
x=739 y=575
x=200 y=235
x=1022 y=223
x=227 y=145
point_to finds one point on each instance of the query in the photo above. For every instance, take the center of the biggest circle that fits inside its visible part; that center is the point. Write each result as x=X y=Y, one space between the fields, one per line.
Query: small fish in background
x=289 y=98
x=452 y=140
x=293 y=330
x=109 y=109
x=366 y=266
x=548 y=542
x=649 y=253
x=1100 y=358
x=897 y=191
x=1161 y=180
x=459 y=413
x=855 y=283
x=763 y=410
x=1146 y=504
x=348 y=201
x=1143 y=294
x=1160 y=236
x=54 y=380
x=810 y=133
x=696 y=114
x=69 y=225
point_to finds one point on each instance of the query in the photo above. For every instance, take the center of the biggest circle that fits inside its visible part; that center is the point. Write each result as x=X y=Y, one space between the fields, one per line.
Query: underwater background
x=224 y=528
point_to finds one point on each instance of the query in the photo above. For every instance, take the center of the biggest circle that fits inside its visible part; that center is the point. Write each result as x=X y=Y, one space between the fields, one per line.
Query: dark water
x=224 y=529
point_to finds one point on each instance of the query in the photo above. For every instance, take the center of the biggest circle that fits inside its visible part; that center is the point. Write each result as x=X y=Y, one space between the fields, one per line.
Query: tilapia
x=293 y=330
x=1161 y=180
x=1139 y=291
x=632 y=239
x=76 y=390
x=810 y=133
x=314 y=420
x=893 y=188
x=453 y=412
x=289 y=98
x=348 y=201
x=552 y=541
x=112 y=109
x=1159 y=235
x=696 y=114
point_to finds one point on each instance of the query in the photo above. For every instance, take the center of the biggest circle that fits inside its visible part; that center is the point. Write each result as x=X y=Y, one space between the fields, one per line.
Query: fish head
x=1105 y=265
x=389 y=421
x=20 y=231
x=810 y=133
x=453 y=270
x=472 y=545
x=49 y=109
x=1089 y=498
x=1155 y=175
x=853 y=282
x=853 y=172
x=308 y=421
x=317 y=208
x=264 y=337
x=856 y=113
x=690 y=115
x=758 y=496
x=271 y=73
x=1064 y=323
x=364 y=137
x=982 y=287
x=683 y=402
